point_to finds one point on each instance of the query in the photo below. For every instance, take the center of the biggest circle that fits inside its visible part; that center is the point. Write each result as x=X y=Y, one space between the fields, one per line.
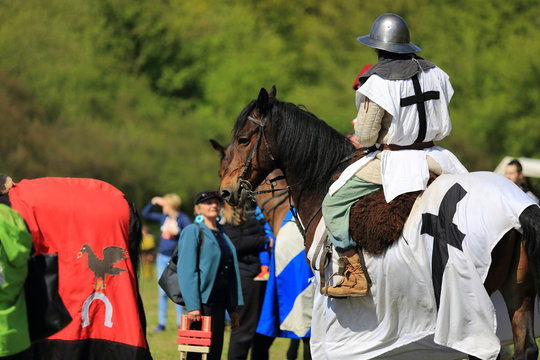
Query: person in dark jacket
x=249 y=240
x=208 y=272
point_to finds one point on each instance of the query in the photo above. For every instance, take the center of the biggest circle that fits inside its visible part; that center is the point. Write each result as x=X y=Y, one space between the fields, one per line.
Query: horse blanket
x=288 y=301
x=427 y=291
x=96 y=233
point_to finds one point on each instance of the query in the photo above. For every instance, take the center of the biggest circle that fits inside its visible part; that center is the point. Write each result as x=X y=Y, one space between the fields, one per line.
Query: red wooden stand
x=194 y=340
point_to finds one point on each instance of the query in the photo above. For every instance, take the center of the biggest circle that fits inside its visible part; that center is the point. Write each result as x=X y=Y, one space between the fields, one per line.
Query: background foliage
x=130 y=91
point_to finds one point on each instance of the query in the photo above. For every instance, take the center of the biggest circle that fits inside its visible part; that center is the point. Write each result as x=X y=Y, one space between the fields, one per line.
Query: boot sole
x=346 y=296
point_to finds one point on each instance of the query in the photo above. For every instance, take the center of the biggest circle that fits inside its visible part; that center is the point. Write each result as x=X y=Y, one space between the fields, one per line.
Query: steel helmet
x=391 y=33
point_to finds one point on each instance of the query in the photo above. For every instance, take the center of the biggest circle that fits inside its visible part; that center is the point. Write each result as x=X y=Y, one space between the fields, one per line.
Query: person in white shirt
x=402 y=104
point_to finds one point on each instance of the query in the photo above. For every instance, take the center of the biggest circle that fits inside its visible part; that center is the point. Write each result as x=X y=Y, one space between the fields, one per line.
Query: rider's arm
x=368 y=122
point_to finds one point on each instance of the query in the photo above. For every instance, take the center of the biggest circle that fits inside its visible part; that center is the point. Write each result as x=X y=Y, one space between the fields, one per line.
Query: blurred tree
x=130 y=92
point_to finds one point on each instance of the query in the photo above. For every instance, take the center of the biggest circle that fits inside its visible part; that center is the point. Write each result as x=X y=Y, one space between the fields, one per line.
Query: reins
x=283 y=191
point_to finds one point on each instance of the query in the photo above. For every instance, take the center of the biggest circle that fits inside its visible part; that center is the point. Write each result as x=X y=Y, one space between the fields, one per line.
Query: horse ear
x=218 y=147
x=272 y=92
x=262 y=102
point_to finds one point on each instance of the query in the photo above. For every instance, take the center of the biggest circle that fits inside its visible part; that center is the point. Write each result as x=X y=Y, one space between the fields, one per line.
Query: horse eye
x=243 y=141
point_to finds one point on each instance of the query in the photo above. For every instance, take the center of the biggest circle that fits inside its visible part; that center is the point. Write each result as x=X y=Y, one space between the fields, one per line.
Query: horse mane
x=305 y=142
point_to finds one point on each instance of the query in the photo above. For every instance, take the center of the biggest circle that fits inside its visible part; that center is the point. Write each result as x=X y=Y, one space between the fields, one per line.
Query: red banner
x=87 y=222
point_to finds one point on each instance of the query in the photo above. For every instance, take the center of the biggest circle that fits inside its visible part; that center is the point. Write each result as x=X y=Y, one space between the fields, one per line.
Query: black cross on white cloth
x=419 y=98
x=444 y=233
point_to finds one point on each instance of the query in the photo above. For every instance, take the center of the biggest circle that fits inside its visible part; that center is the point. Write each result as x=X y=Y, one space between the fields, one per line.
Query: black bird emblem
x=111 y=255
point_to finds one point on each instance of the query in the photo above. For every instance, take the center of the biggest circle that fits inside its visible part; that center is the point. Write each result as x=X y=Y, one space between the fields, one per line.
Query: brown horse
x=272 y=197
x=274 y=202
x=270 y=134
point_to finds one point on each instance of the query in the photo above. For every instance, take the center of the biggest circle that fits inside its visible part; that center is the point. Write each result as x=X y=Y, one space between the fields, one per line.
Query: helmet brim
x=388 y=46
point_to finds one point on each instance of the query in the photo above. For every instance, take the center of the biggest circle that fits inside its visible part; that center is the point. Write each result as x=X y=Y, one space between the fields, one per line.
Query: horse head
x=249 y=159
x=272 y=195
x=234 y=215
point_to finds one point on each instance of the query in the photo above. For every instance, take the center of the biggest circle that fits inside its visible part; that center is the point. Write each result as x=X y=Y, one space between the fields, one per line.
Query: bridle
x=247 y=188
x=245 y=184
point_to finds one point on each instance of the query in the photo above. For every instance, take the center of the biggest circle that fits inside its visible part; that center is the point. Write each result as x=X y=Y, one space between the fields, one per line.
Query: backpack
x=169 y=279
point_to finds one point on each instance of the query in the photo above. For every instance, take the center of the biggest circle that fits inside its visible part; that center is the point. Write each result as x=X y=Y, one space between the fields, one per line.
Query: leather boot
x=353 y=281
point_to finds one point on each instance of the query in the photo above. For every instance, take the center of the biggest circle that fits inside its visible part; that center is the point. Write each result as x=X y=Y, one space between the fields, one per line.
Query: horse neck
x=272 y=205
x=307 y=165
x=308 y=204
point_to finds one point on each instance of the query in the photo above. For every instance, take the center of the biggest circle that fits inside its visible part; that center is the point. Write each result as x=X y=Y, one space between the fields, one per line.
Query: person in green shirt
x=15 y=247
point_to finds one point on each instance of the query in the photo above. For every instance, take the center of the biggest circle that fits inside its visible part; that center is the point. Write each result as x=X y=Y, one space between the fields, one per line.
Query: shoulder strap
x=201 y=241
x=174 y=257
x=201 y=238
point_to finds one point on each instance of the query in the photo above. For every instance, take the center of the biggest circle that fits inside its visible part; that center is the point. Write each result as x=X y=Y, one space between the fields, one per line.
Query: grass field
x=163 y=344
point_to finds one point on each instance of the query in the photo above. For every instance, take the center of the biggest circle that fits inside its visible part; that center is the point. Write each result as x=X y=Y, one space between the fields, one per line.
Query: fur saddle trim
x=375 y=224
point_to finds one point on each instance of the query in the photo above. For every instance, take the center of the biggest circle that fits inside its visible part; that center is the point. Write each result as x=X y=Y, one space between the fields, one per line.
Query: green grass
x=163 y=344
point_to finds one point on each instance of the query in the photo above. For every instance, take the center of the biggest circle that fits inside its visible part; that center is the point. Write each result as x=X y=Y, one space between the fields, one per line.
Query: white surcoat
x=407 y=170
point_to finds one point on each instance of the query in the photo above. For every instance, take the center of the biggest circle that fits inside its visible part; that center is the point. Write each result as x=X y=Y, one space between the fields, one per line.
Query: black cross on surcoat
x=444 y=233
x=419 y=98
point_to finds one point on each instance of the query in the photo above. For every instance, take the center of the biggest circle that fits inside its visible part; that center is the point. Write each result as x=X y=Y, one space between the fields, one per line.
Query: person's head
x=390 y=32
x=514 y=172
x=6 y=183
x=207 y=204
x=171 y=204
x=145 y=229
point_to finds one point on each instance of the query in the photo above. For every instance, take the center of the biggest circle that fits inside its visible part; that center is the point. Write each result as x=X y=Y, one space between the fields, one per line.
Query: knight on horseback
x=402 y=107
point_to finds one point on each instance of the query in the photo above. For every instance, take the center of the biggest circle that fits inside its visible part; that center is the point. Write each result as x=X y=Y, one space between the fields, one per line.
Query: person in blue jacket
x=208 y=272
x=171 y=221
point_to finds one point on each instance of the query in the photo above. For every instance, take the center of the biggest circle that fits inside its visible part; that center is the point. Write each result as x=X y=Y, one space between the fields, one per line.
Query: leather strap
x=321 y=270
x=316 y=253
x=323 y=260
x=364 y=268
x=413 y=146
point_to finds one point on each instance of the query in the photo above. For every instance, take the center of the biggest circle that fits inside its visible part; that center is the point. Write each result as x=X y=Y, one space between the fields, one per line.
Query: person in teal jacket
x=15 y=247
x=208 y=274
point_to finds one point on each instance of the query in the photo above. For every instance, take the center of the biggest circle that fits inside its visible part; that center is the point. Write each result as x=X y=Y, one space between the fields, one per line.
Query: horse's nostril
x=225 y=194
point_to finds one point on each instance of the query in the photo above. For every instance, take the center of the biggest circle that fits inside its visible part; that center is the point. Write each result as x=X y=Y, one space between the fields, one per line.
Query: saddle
x=375 y=224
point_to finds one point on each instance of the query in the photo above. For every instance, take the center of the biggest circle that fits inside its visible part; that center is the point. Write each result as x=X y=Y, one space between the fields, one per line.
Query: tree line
x=130 y=91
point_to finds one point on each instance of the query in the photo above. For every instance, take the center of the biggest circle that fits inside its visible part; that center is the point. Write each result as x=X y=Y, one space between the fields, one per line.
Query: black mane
x=306 y=143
